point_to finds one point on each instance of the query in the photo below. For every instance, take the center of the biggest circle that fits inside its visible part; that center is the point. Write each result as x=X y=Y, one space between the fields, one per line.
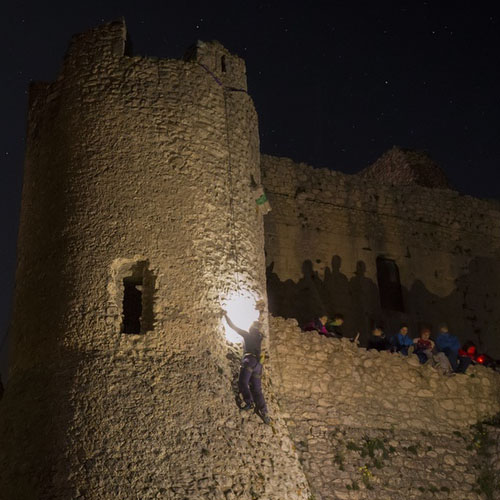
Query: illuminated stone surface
x=134 y=160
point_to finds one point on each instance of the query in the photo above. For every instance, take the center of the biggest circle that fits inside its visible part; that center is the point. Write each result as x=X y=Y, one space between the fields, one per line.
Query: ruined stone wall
x=371 y=424
x=400 y=167
x=490 y=467
x=327 y=229
x=137 y=168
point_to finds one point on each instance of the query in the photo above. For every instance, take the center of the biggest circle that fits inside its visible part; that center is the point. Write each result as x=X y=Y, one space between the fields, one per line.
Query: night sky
x=334 y=86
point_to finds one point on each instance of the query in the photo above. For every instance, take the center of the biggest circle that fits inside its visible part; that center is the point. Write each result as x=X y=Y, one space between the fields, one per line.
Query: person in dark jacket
x=450 y=345
x=249 y=381
x=334 y=326
x=377 y=339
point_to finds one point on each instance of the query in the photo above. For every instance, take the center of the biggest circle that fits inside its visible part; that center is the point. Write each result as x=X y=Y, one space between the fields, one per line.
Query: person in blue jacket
x=449 y=344
x=401 y=342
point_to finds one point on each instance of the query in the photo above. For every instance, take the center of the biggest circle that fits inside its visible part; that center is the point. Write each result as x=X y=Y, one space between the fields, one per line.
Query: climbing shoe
x=263 y=416
x=266 y=419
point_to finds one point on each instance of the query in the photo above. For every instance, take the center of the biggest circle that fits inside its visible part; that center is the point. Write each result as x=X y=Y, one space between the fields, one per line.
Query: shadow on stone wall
x=472 y=310
x=36 y=420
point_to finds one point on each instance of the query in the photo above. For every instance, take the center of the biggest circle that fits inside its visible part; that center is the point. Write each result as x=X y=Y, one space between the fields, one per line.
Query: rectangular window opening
x=389 y=285
x=137 y=306
x=132 y=305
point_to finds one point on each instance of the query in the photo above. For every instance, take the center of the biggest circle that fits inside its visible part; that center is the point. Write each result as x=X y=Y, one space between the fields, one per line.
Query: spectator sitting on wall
x=328 y=328
x=401 y=342
x=335 y=328
x=378 y=339
x=335 y=324
x=450 y=345
x=441 y=363
x=424 y=345
x=318 y=324
x=469 y=349
x=425 y=349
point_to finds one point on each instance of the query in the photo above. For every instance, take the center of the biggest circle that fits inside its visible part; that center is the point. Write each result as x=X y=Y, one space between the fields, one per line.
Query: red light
x=481 y=358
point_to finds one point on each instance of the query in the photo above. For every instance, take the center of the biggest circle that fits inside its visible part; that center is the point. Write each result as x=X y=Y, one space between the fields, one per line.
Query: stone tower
x=138 y=221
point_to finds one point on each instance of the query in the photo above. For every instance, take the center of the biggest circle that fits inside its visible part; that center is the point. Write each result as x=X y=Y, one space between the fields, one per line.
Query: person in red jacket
x=424 y=345
x=469 y=349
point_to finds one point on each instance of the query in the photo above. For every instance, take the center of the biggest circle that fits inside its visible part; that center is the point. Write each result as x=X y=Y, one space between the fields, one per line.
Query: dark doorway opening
x=389 y=285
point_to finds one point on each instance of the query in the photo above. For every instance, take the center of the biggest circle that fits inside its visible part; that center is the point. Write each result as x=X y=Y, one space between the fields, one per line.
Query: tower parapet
x=228 y=70
x=100 y=44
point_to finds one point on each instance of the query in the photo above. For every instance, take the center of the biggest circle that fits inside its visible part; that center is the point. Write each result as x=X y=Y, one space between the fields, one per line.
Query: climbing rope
x=226 y=90
x=233 y=250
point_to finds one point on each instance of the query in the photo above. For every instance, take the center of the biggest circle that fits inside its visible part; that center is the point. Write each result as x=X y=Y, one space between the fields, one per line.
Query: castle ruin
x=139 y=224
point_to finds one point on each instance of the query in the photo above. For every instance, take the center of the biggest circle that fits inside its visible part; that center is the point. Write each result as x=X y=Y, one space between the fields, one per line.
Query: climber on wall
x=249 y=381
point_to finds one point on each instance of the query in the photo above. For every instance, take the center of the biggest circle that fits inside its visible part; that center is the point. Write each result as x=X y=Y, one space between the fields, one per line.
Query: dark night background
x=335 y=84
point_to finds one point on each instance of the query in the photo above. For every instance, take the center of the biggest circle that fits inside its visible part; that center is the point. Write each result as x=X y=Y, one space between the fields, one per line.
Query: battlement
x=227 y=69
x=104 y=41
x=97 y=47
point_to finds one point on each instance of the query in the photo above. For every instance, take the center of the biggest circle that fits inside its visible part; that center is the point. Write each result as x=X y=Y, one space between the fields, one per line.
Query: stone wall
x=490 y=467
x=327 y=229
x=380 y=425
x=399 y=167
